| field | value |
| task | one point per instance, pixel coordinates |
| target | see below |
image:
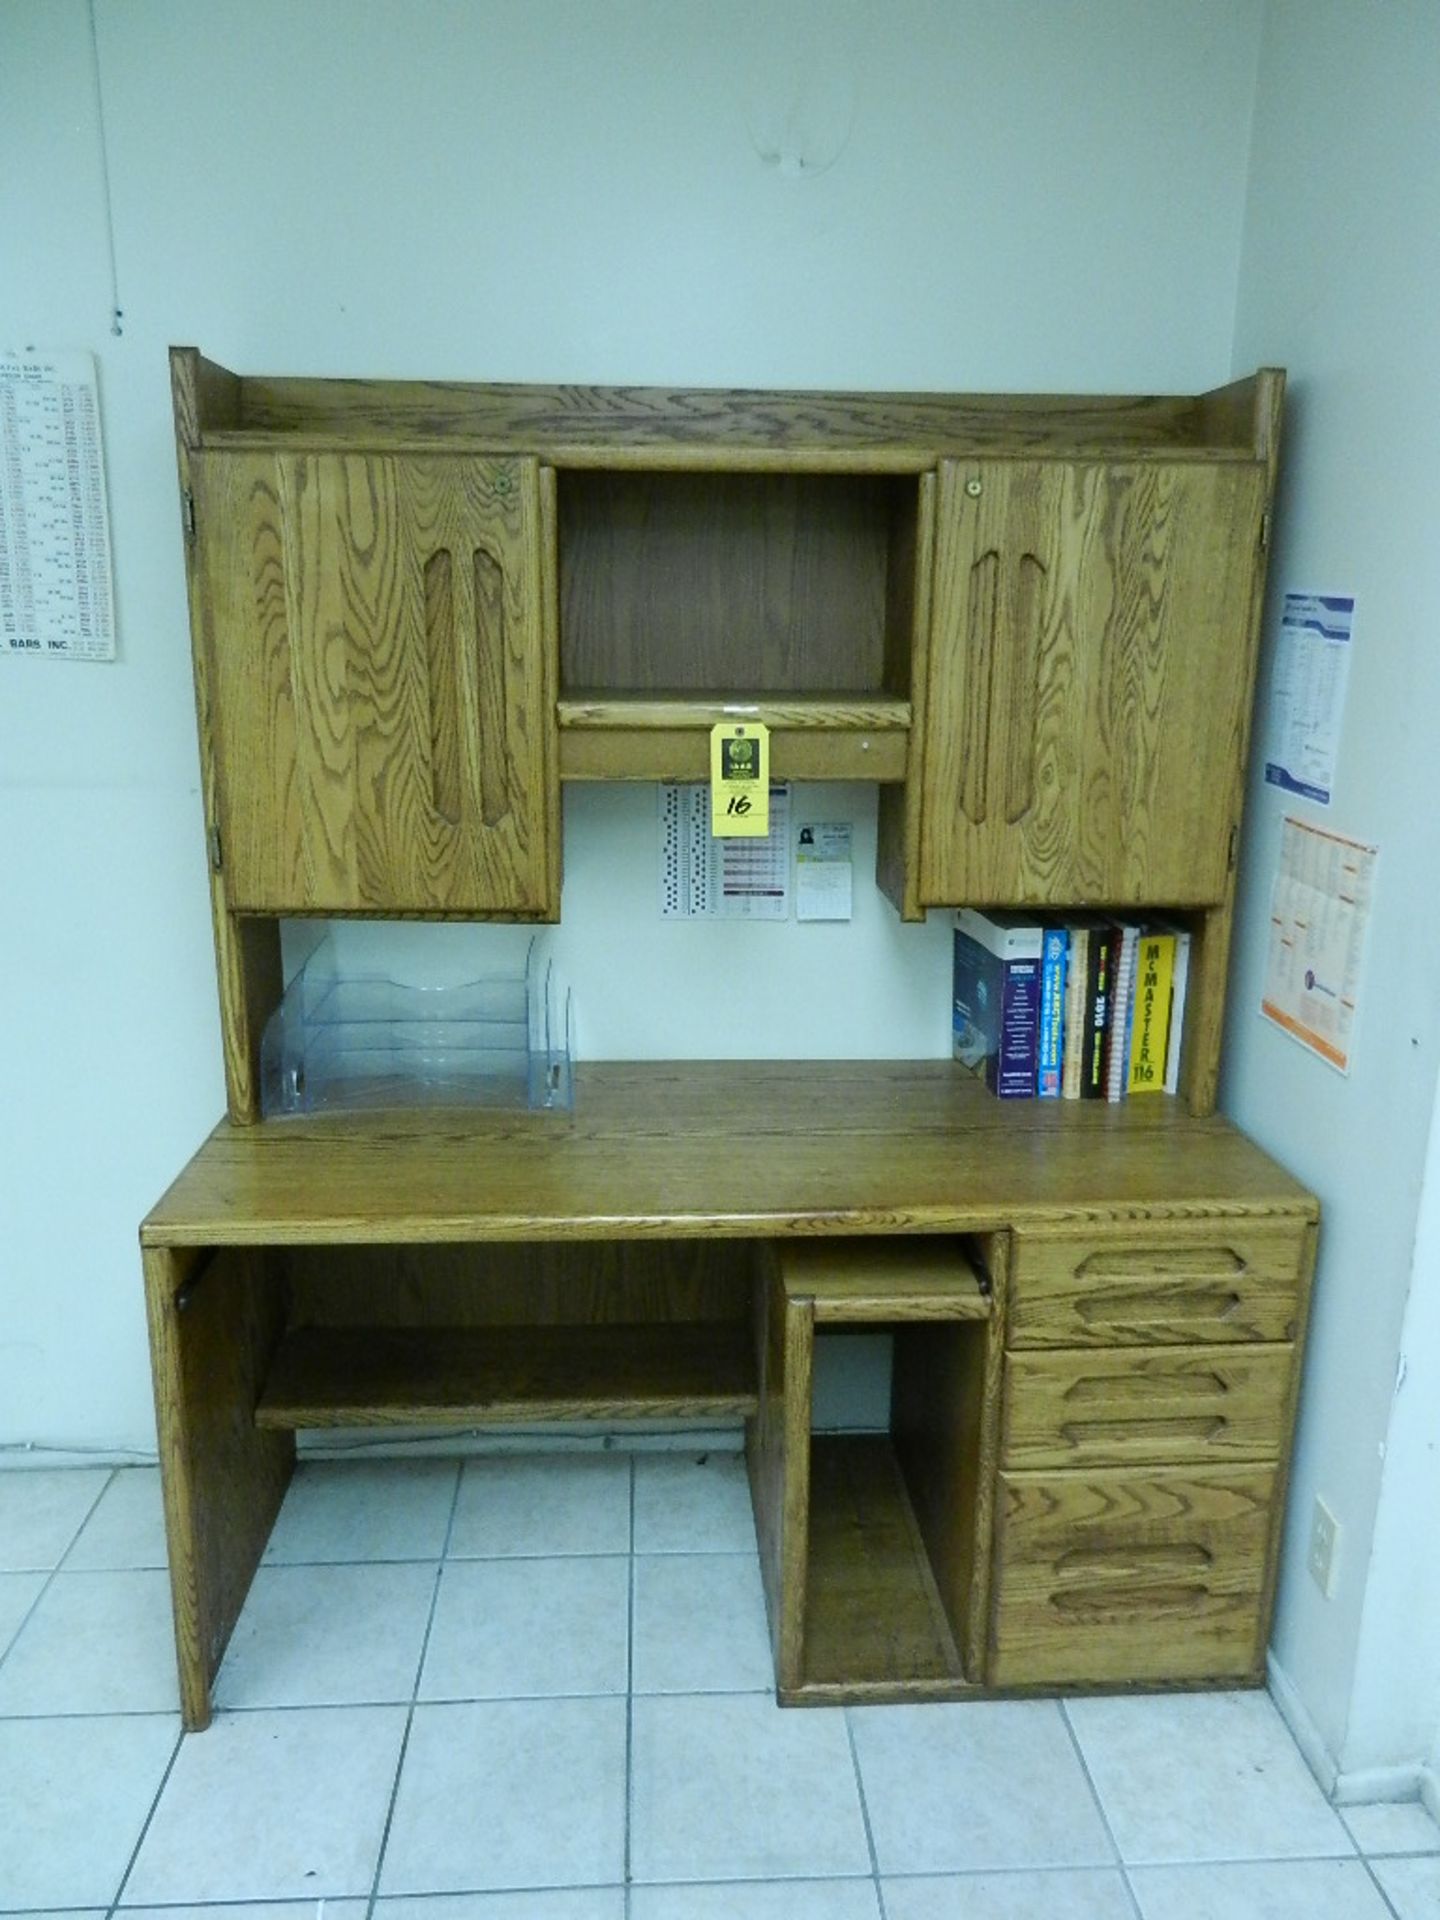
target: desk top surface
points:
(680, 1149)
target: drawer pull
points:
(1197, 1304)
(1174, 1562)
(1194, 1263)
(1144, 1386)
(1202, 1427)
(493, 703)
(442, 688)
(1122, 1604)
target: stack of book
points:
(1074, 1008)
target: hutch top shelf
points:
(717, 429)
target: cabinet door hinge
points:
(216, 859)
(1234, 848)
(187, 513)
(1264, 532)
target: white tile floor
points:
(538, 1689)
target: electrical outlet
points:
(1324, 1556)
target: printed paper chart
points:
(55, 593)
(1318, 914)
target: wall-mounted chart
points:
(55, 586)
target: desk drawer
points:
(1129, 1576)
(1166, 1285)
(1159, 1405)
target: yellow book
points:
(1150, 1022)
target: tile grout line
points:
(1267, 1860)
(1387, 1902)
(114, 1905)
(437, 1700)
(1031, 1870)
(414, 1696)
(465, 1559)
(49, 1579)
(1131, 1895)
(630, 1698)
(864, 1813)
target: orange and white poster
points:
(1319, 911)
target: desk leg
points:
(214, 1317)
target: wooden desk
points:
(1114, 1403)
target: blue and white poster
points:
(1307, 693)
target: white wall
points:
(1340, 280)
(1395, 1707)
(1029, 195)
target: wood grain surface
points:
(808, 713)
(860, 1282)
(1153, 1405)
(450, 1376)
(777, 1452)
(683, 753)
(1133, 1575)
(561, 1283)
(907, 671)
(726, 1149)
(716, 583)
(1185, 1283)
(214, 1325)
(372, 638)
(820, 737)
(248, 971)
(872, 1609)
(941, 1396)
(647, 425)
(1088, 678)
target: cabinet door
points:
(1089, 682)
(380, 703)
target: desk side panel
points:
(214, 1324)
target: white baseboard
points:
(26, 1457)
(1361, 1786)
(1306, 1735)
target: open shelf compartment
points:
(691, 598)
(458, 1335)
(468, 1376)
(873, 1545)
(873, 1611)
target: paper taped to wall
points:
(1319, 910)
(55, 585)
(1307, 693)
(705, 878)
(824, 888)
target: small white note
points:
(824, 888)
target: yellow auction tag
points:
(740, 779)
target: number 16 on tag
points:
(740, 780)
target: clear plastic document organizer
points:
(338, 1043)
